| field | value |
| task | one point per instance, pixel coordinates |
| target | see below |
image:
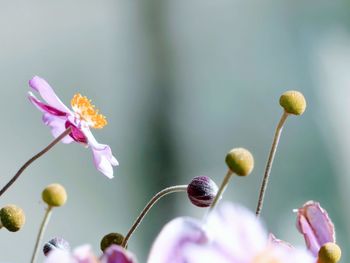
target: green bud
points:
(111, 238)
(12, 217)
(329, 253)
(54, 195)
(293, 102)
(240, 161)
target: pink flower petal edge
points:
(231, 234)
(84, 254)
(315, 225)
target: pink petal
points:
(57, 126)
(170, 245)
(102, 154)
(59, 256)
(273, 241)
(285, 255)
(44, 107)
(46, 92)
(83, 254)
(76, 133)
(237, 231)
(316, 226)
(117, 254)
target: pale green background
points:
(181, 82)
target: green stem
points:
(42, 152)
(41, 233)
(221, 190)
(159, 195)
(273, 149)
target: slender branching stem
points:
(41, 233)
(221, 189)
(273, 149)
(38, 155)
(159, 195)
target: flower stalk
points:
(41, 232)
(221, 190)
(272, 153)
(31, 160)
(151, 203)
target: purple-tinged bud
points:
(56, 243)
(202, 191)
(316, 226)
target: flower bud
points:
(201, 191)
(56, 243)
(315, 225)
(293, 102)
(54, 195)
(12, 217)
(110, 239)
(329, 253)
(240, 161)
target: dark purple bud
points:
(202, 191)
(56, 243)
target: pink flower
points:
(83, 254)
(316, 226)
(83, 116)
(231, 234)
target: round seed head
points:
(56, 243)
(202, 191)
(240, 161)
(54, 195)
(293, 102)
(329, 253)
(12, 217)
(110, 239)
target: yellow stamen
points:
(87, 112)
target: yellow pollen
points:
(87, 112)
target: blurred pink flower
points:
(83, 254)
(231, 234)
(83, 116)
(316, 226)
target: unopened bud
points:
(54, 195)
(293, 102)
(329, 253)
(201, 191)
(56, 243)
(240, 161)
(12, 217)
(110, 239)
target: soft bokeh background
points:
(181, 82)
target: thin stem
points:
(273, 149)
(41, 233)
(42, 152)
(159, 195)
(221, 189)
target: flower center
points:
(87, 112)
(266, 256)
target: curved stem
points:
(159, 195)
(273, 149)
(221, 190)
(38, 155)
(41, 233)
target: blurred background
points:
(181, 83)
